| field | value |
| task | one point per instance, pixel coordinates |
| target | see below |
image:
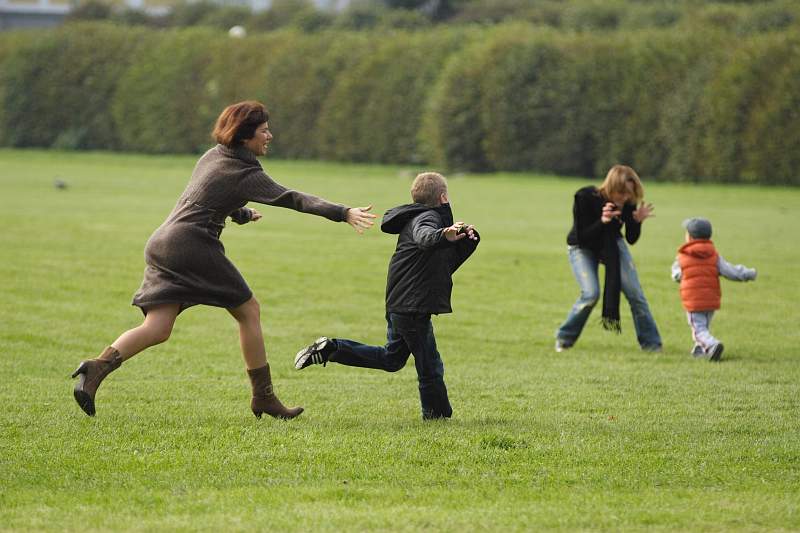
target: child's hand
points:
(255, 216)
(644, 211)
(459, 231)
(469, 231)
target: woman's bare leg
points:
(248, 315)
(251, 338)
(155, 329)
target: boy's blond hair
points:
(428, 188)
(617, 181)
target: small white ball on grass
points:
(237, 32)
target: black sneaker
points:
(562, 345)
(716, 352)
(314, 354)
(698, 351)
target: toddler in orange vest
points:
(698, 268)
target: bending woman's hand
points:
(644, 211)
(610, 212)
(360, 218)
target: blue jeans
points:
(406, 334)
(584, 267)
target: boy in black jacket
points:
(430, 248)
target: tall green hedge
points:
(649, 67)
(58, 87)
(11, 44)
(298, 81)
(452, 131)
(675, 103)
(566, 105)
(682, 127)
(773, 138)
(750, 113)
(164, 102)
(375, 107)
(521, 98)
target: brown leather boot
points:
(264, 399)
(90, 374)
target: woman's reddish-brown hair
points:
(238, 122)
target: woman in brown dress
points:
(186, 262)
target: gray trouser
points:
(700, 322)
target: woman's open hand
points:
(360, 218)
(644, 211)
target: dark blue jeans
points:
(406, 334)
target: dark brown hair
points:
(238, 122)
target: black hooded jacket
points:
(421, 269)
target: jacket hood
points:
(396, 218)
(699, 248)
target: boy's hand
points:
(255, 216)
(360, 218)
(459, 231)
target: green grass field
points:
(602, 437)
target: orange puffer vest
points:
(699, 276)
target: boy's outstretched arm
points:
(426, 232)
(735, 272)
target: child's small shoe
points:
(698, 351)
(716, 352)
(317, 353)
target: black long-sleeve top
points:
(587, 228)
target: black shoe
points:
(716, 352)
(314, 354)
(432, 416)
(698, 351)
(562, 345)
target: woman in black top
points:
(599, 213)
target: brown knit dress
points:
(186, 261)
